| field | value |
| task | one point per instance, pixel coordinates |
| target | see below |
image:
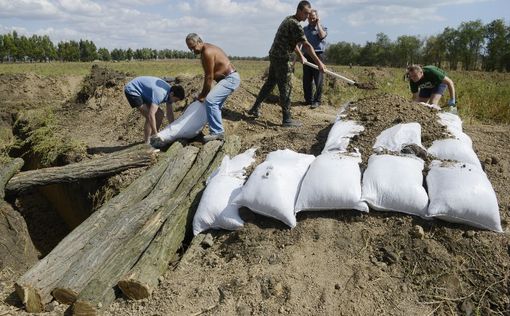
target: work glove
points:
(451, 102)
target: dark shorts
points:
(426, 93)
(135, 101)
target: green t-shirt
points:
(432, 77)
(289, 34)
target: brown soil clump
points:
(381, 111)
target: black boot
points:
(254, 111)
(288, 122)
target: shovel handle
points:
(329, 72)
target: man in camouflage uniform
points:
(289, 36)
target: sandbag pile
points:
(459, 189)
(333, 181)
(288, 182)
(216, 209)
(393, 182)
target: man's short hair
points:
(303, 4)
(178, 92)
(414, 68)
(194, 38)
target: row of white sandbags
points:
(459, 148)
(333, 181)
(458, 192)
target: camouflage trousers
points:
(280, 74)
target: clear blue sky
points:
(240, 27)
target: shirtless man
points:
(216, 67)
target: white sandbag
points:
(394, 183)
(461, 193)
(273, 186)
(454, 149)
(461, 136)
(453, 125)
(188, 125)
(332, 182)
(450, 120)
(216, 210)
(340, 135)
(397, 137)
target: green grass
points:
(481, 96)
(41, 131)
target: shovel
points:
(349, 81)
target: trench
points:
(51, 212)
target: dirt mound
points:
(99, 77)
(381, 111)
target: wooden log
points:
(7, 172)
(100, 293)
(16, 248)
(99, 249)
(138, 156)
(34, 287)
(142, 279)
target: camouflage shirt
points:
(289, 34)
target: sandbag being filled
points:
(332, 182)
(273, 186)
(216, 209)
(462, 193)
(188, 125)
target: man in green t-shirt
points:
(429, 83)
(289, 36)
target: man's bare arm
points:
(299, 54)
(208, 65)
(170, 112)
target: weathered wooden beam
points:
(99, 249)
(143, 278)
(7, 172)
(35, 286)
(100, 293)
(16, 248)
(138, 156)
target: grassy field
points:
(481, 96)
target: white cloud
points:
(392, 15)
(9, 29)
(225, 7)
(240, 27)
(83, 7)
(183, 6)
(28, 9)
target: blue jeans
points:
(427, 92)
(216, 98)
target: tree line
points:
(37, 48)
(470, 46)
